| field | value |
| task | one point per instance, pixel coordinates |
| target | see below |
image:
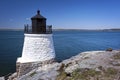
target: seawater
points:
(67, 44)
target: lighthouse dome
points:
(38, 16)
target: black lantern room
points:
(38, 25)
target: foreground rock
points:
(93, 65)
(2, 78)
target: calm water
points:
(67, 44)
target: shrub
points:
(109, 49)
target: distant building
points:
(38, 48)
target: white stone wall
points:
(37, 47)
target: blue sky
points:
(73, 14)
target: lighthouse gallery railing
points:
(28, 29)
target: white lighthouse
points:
(38, 44)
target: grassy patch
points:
(61, 76)
(78, 74)
(89, 74)
(32, 74)
(111, 71)
(110, 74)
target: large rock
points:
(92, 63)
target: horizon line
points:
(63, 29)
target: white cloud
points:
(27, 18)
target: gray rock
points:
(98, 60)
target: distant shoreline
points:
(67, 29)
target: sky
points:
(62, 14)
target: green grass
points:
(110, 71)
(78, 74)
(87, 74)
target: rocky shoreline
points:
(90, 65)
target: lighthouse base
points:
(23, 68)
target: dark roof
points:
(38, 16)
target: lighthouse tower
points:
(38, 46)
